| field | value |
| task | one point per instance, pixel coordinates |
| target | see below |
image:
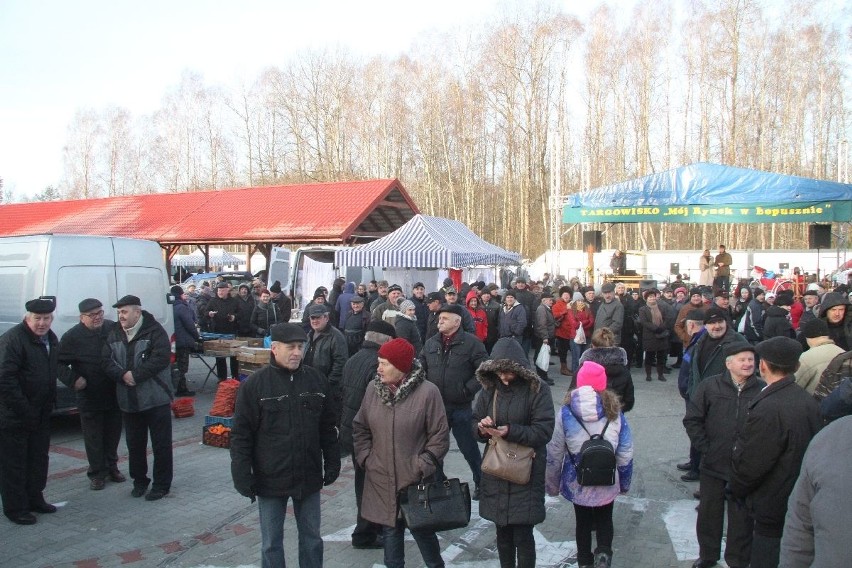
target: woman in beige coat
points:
(401, 417)
(705, 266)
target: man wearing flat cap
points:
(326, 350)
(610, 312)
(28, 367)
(768, 452)
(513, 318)
(81, 351)
(138, 358)
(706, 359)
(450, 359)
(284, 446)
(715, 415)
(222, 317)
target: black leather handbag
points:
(439, 504)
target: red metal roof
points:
(335, 212)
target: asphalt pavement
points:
(203, 522)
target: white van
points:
(302, 271)
(73, 267)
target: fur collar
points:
(409, 384)
(606, 355)
(486, 374)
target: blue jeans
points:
(394, 542)
(273, 511)
(460, 421)
(577, 350)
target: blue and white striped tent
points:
(427, 242)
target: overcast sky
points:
(57, 56)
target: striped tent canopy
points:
(427, 242)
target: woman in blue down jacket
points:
(524, 415)
(592, 404)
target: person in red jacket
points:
(480, 318)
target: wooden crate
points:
(215, 440)
(252, 341)
(223, 347)
(258, 355)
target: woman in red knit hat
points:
(401, 410)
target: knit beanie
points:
(593, 375)
(400, 354)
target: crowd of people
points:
(391, 370)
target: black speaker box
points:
(674, 268)
(647, 285)
(819, 236)
(592, 239)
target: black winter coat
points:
(327, 353)
(82, 350)
(715, 362)
(358, 372)
(754, 321)
(526, 406)
(224, 307)
(618, 379)
(27, 378)
(407, 329)
(354, 330)
(768, 454)
(244, 310)
(186, 335)
(776, 323)
(284, 437)
(263, 317)
(656, 338)
(715, 416)
(453, 371)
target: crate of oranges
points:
(217, 435)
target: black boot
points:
(182, 390)
(661, 369)
(648, 373)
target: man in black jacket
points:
(81, 349)
(284, 445)
(450, 359)
(768, 454)
(138, 358)
(28, 364)
(222, 317)
(715, 415)
(358, 372)
(421, 310)
(326, 350)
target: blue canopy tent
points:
(428, 242)
(712, 193)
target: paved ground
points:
(204, 522)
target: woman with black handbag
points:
(399, 428)
(515, 406)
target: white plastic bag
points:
(543, 359)
(580, 337)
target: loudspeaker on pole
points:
(819, 236)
